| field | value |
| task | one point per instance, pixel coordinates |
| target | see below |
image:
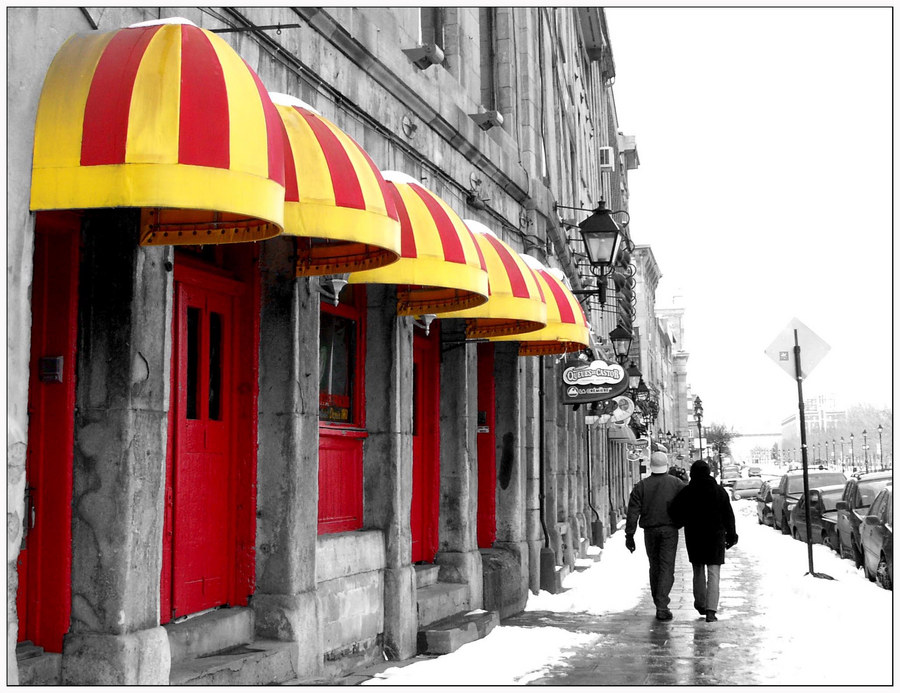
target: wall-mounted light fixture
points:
(331, 285)
(634, 377)
(424, 322)
(602, 238)
(621, 341)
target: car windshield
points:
(830, 499)
(795, 484)
(869, 489)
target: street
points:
(777, 626)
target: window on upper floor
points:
(431, 25)
(488, 50)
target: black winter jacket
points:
(649, 502)
(704, 510)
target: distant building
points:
(756, 448)
(681, 416)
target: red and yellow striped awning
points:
(336, 199)
(166, 117)
(441, 267)
(567, 326)
(516, 303)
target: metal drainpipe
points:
(596, 525)
(590, 485)
(541, 456)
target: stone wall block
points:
(400, 613)
(139, 658)
(292, 618)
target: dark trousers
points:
(661, 544)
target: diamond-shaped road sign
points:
(812, 349)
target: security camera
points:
(425, 55)
(487, 120)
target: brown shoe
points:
(710, 616)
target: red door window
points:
(341, 412)
(487, 449)
(209, 492)
(424, 514)
(43, 600)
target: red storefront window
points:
(341, 411)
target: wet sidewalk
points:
(635, 649)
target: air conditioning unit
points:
(425, 55)
(487, 119)
(607, 158)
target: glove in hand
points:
(731, 541)
(629, 543)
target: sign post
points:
(816, 348)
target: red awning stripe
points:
(276, 136)
(566, 314)
(203, 128)
(408, 247)
(109, 99)
(291, 185)
(344, 180)
(453, 250)
(516, 279)
(389, 200)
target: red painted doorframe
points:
(425, 511)
(210, 506)
(43, 600)
(487, 448)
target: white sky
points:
(764, 191)
(801, 610)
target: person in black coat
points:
(704, 510)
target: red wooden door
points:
(487, 449)
(206, 476)
(426, 446)
(43, 600)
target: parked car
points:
(745, 488)
(822, 515)
(764, 503)
(730, 474)
(754, 471)
(787, 492)
(877, 535)
(853, 507)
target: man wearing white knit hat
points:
(648, 507)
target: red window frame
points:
(340, 507)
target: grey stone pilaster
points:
(457, 541)
(512, 470)
(287, 463)
(387, 462)
(122, 397)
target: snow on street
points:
(847, 622)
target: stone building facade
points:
(222, 466)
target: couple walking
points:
(661, 504)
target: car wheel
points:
(796, 534)
(785, 529)
(736, 496)
(882, 577)
(759, 519)
(842, 552)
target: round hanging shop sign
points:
(593, 382)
